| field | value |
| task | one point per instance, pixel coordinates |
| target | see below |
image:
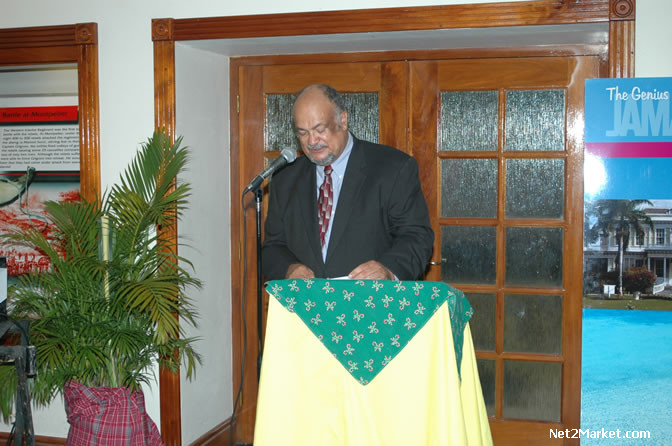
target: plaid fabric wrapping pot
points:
(108, 416)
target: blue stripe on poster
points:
(627, 178)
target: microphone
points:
(287, 156)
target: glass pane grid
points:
(533, 323)
(535, 120)
(534, 257)
(483, 322)
(486, 373)
(535, 188)
(469, 120)
(469, 188)
(279, 132)
(469, 253)
(363, 115)
(532, 390)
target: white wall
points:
(126, 119)
(653, 34)
(202, 83)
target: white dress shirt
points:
(337, 175)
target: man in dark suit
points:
(375, 223)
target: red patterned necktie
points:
(325, 203)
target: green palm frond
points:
(105, 321)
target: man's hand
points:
(371, 270)
(299, 271)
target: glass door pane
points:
(503, 163)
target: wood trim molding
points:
(86, 33)
(89, 121)
(622, 49)
(162, 29)
(622, 38)
(164, 118)
(171, 414)
(164, 86)
(484, 15)
(622, 10)
(39, 36)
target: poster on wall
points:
(627, 182)
(39, 161)
(625, 379)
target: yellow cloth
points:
(306, 397)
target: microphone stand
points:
(288, 155)
(258, 196)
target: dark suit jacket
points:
(381, 215)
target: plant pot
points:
(108, 416)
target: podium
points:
(327, 380)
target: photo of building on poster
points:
(628, 186)
(39, 162)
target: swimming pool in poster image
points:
(627, 376)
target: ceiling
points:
(499, 37)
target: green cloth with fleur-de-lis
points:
(366, 323)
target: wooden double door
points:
(499, 143)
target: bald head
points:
(320, 123)
(328, 91)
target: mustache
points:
(317, 146)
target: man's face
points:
(322, 134)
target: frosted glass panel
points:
(532, 323)
(532, 390)
(468, 120)
(279, 130)
(469, 253)
(482, 323)
(363, 115)
(535, 120)
(534, 256)
(486, 372)
(469, 188)
(362, 118)
(535, 188)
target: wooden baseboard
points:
(40, 440)
(217, 436)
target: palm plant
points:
(620, 217)
(116, 293)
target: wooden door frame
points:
(619, 14)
